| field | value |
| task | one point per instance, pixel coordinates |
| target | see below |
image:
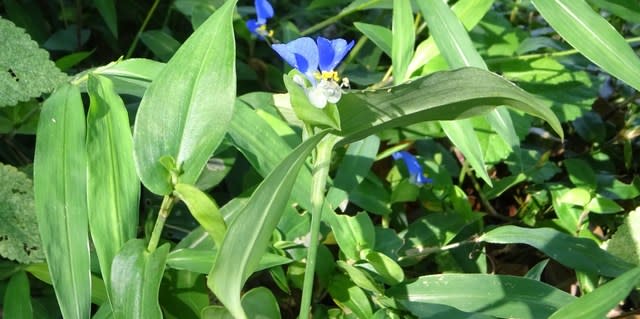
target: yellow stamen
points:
(332, 75)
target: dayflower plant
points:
(416, 175)
(317, 60)
(258, 26)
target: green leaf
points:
(455, 45)
(304, 110)
(603, 205)
(450, 35)
(349, 297)
(581, 173)
(470, 12)
(132, 76)
(135, 281)
(160, 43)
(593, 36)
(353, 169)
(26, 71)
(576, 196)
(20, 229)
(248, 234)
(628, 10)
(599, 302)
(360, 277)
(354, 234)
(381, 36)
(573, 252)
(113, 188)
(625, 242)
(185, 112)
(390, 272)
(17, 297)
(258, 302)
(402, 46)
(447, 95)
(60, 181)
(204, 210)
(496, 295)
(536, 271)
(463, 136)
(201, 260)
(261, 303)
(107, 9)
(98, 289)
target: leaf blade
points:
(593, 36)
(113, 188)
(61, 205)
(242, 253)
(195, 115)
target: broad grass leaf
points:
(598, 303)
(248, 234)
(447, 95)
(403, 39)
(113, 188)
(593, 36)
(135, 281)
(184, 114)
(573, 252)
(495, 295)
(60, 181)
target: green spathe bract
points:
(186, 110)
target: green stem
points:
(319, 181)
(142, 27)
(165, 209)
(527, 57)
(336, 18)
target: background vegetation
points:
(526, 216)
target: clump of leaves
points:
(19, 239)
(25, 70)
(625, 243)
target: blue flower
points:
(416, 175)
(258, 26)
(317, 60)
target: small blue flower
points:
(258, 26)
(416, 175)
(317, 60)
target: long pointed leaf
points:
(599, 302)
(248, 234)
(204, 210)
(113, 188)
(497, 295)
(135, 281)
(448, 95)
(185, 112)
(593, 36)
(458, 50)
(578, 253)
(403, 38)
(61, 204)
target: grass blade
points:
(60, 182)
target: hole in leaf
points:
(13, 75)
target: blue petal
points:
(264, 10)
(415, 170)
(301, 54)
(252, 25)
(332, 52)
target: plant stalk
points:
(165, 209)
(142, 27)
(320, 173)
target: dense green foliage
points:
(214, 159)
